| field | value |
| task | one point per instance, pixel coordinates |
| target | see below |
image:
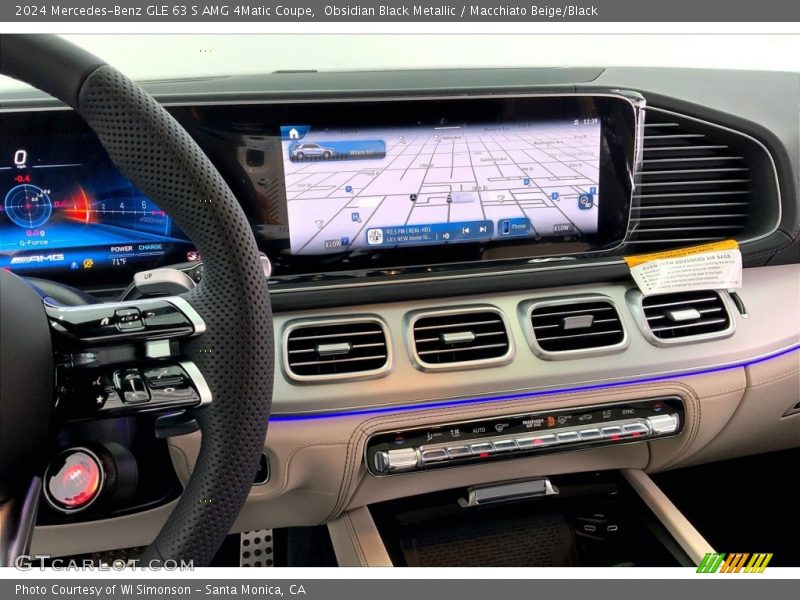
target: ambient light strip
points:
(278, 418)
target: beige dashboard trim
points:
(356, 541)
(679, 526)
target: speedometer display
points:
(67, 208)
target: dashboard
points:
(478, 201)
(346, 185)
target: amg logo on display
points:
(37, 258)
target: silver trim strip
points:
(198, 381)
(183, 305)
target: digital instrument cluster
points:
(67, 209)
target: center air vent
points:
(460, 338)
(685, 317)
(336, 349)
(694, 186)
(575, 326)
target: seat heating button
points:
(429, 456)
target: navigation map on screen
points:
(376, 188)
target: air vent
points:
(575, 326)
(686, 316)
(694, 186)
(460, 338)
(336, 349)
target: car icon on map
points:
(307, 151)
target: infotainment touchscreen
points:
(373, 188)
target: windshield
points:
(143, 56)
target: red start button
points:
(74, 480)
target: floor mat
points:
(537, 540)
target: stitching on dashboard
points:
(183, 454)
(691, 438)
(783, 375)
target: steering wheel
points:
(217, 337)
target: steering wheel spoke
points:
(125, 358)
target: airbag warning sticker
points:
(707, 267)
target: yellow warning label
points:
(639, 259)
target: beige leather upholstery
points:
(318, 473)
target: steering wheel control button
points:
(509, 436)
(148, 318)
(74, 480)
(131, 386)
(128, 319)
(170, 377)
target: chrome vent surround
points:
(693, 187)
(683, 317)
(460, 338)
(574, 327)
(341, 348)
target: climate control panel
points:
(498, 438)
